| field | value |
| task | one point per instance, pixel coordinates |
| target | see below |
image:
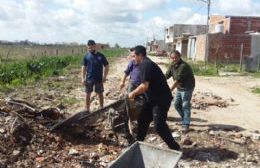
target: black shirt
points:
(158, 91)
(183, 74)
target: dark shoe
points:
(185, 128)
(130, 139)
(176, 147)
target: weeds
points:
(256, 90)
(202, 69)
(32, 70)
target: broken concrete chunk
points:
(211, 132)
(175, 135)
(152, 139)
(2, 130)
(39, 152)
(16, 152)
(73, 152)
(255, 136)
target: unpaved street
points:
(244, 109)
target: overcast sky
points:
(127, 22)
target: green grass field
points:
(26, 71)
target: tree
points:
(116, 46)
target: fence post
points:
(7, 55)
(57, 51)
(258, 64)
(241, 56)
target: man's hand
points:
(122, 85)
(83, 81)
(131, 95)
(104, 79)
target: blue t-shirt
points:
(134, 72)
(94, 64)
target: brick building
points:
(227, 37)
(176, 36)
(155, 45)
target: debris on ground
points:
(203, 100)
(27, 141)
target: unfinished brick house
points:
(155, 45)
(228, 37)
(176, 36)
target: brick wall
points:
(214, 19)
(235, 24)
(227, 46)
(200, 48)
(239, 25)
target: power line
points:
(193, 13)
(208, 2)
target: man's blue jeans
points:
(182, 105)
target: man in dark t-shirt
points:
(154, 84)
(92, 73)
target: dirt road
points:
(244, 110)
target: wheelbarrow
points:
(120, 113)
(144, 155)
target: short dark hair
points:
(176, 52)
(140, 50)
(91, 42)
(131, 49)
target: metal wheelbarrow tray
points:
(144, 155)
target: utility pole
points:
(208, 2)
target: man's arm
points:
(174, 85)
(142, 88)
(180, 76)
(122, 84)
(83, 74)
(168, 73)
(105, 73)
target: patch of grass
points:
(256, 90)
(202, 69)
(19, 72)
(253, 74)
(69, 101)
(114, 52)
(22, 72)
(230, 68)
(256, 74)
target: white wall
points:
(179, 46)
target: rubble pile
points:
(26, 140)
(203, 100)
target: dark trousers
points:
(158, 114)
